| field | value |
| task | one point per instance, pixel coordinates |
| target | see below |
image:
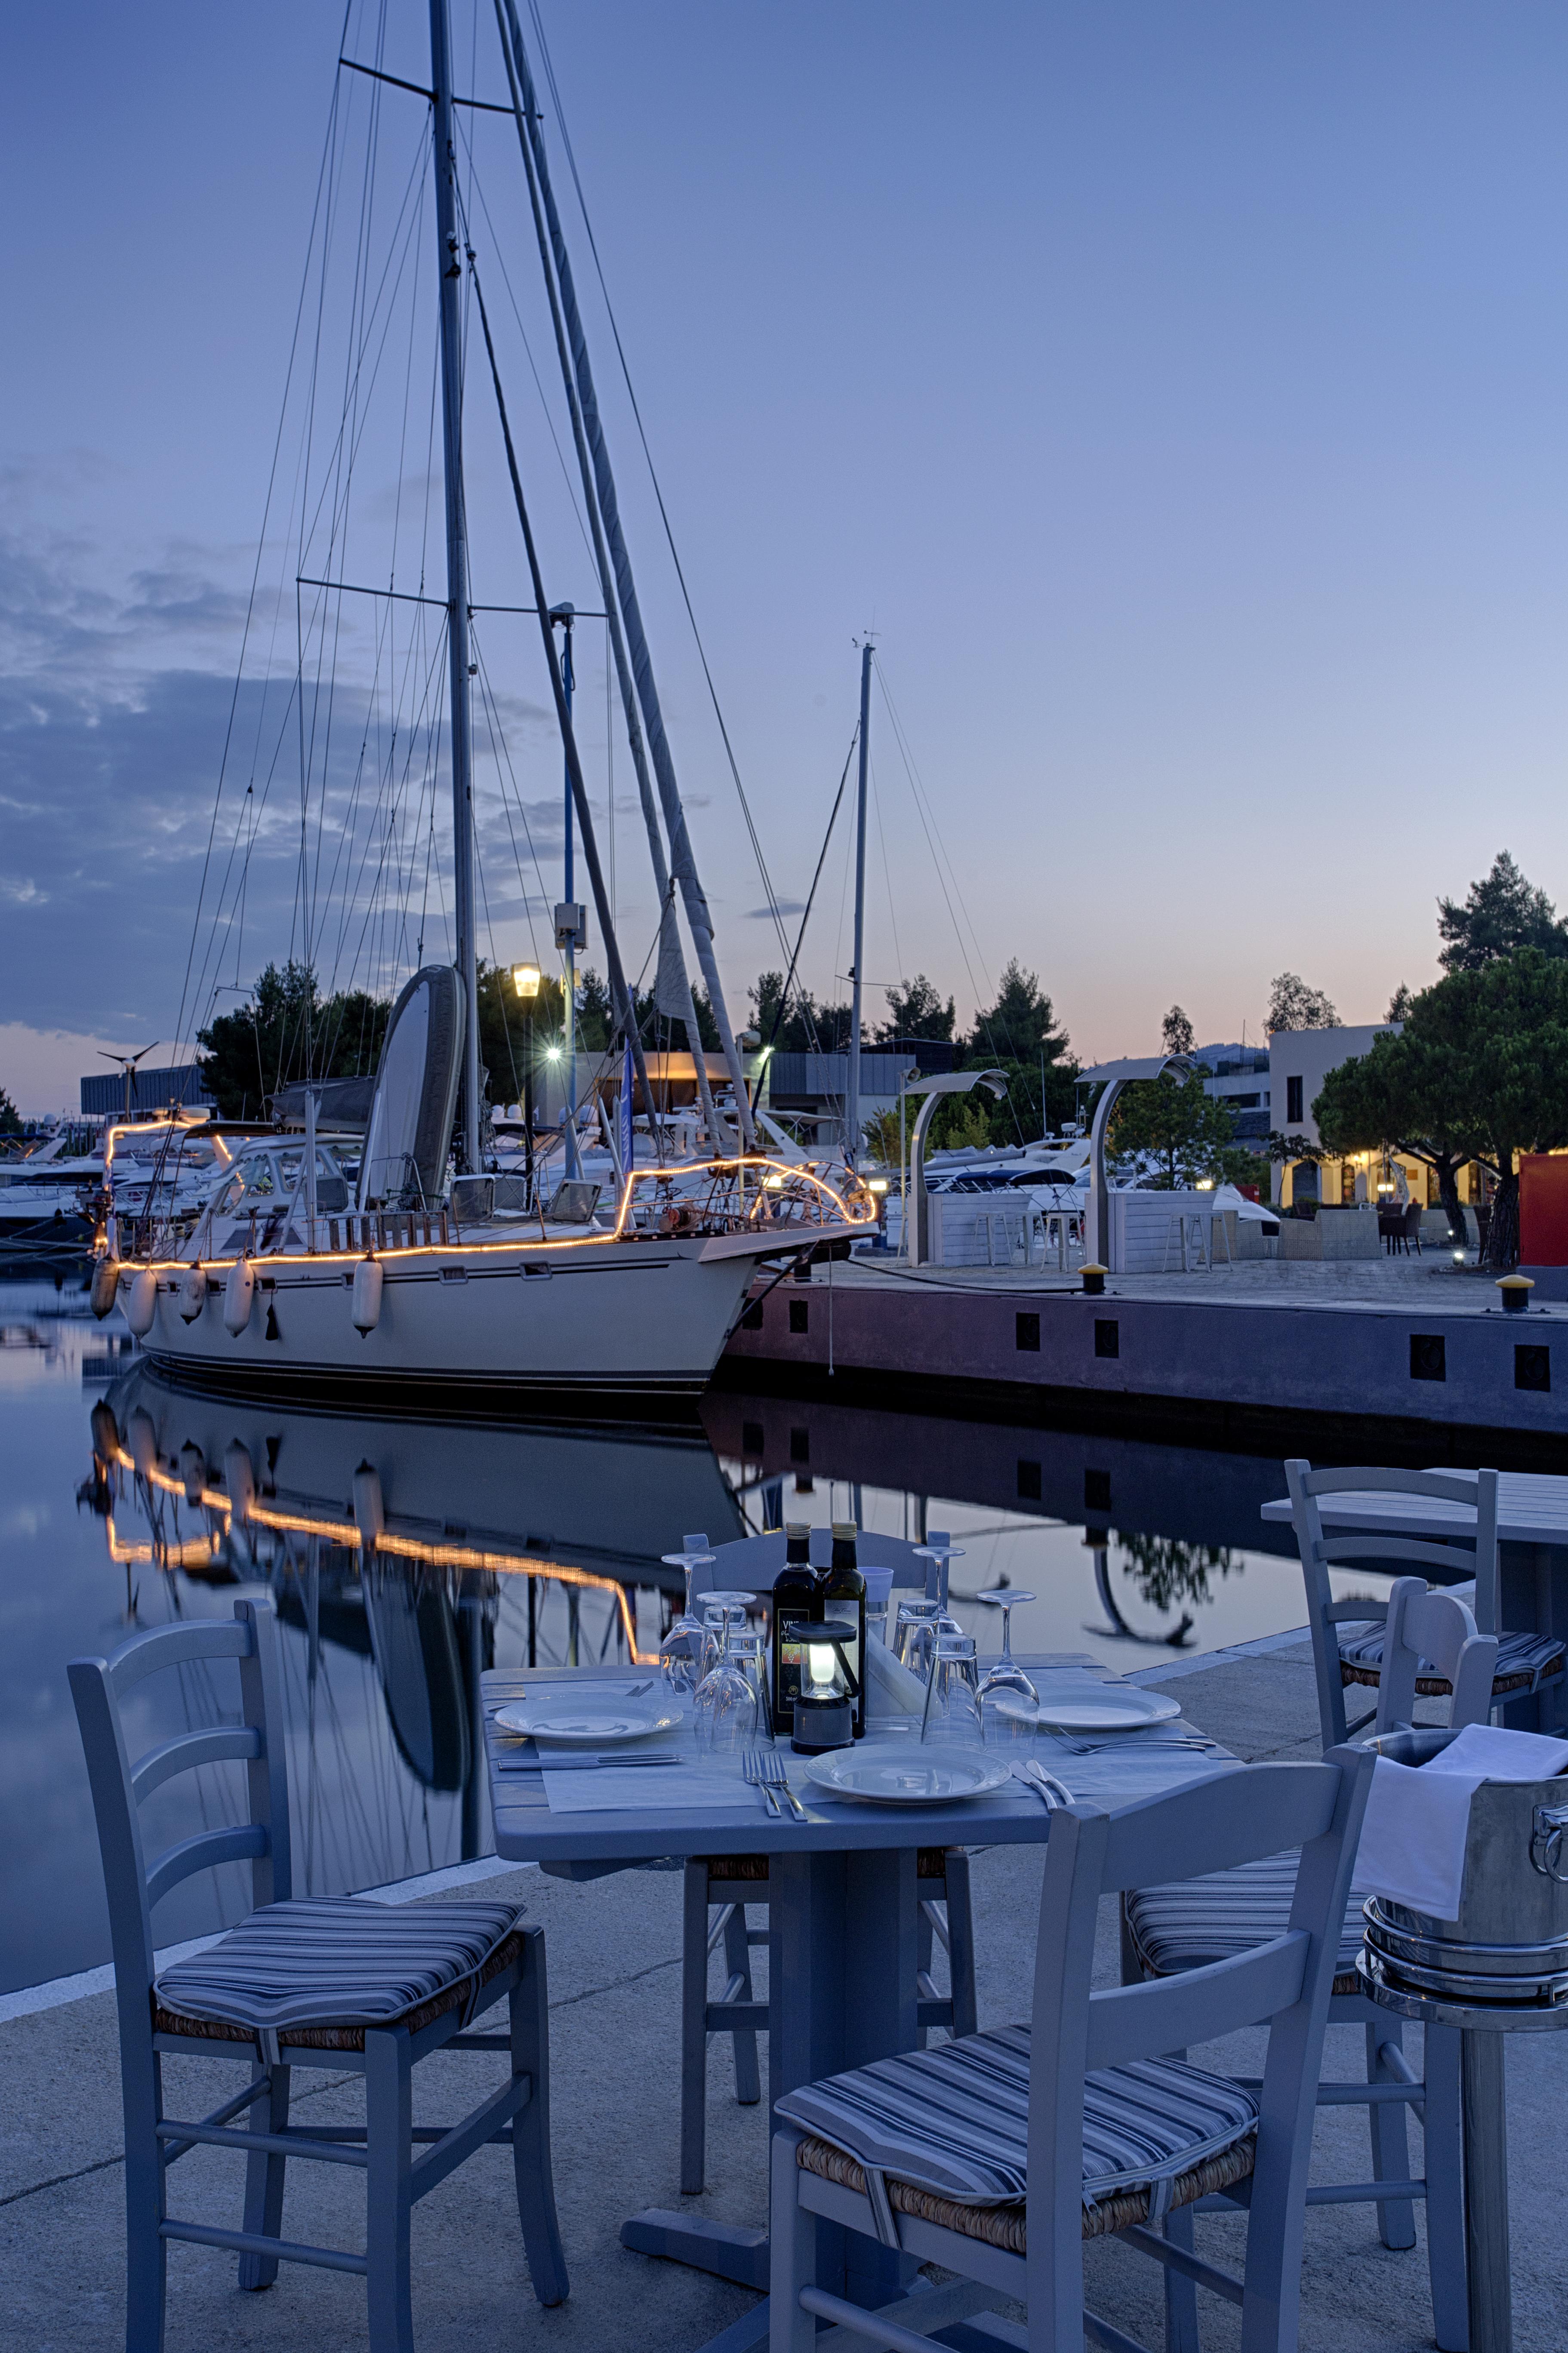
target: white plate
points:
(907, 1775)
(1118, 1707)
(594, 1722)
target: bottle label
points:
(791, 1660)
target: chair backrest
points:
(752, 1563)
(1437, 1630)
(1472, 1548)
(1210, 1825)
(134, 1885)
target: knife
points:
(583, 1764)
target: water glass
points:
(723, 1614)
(952, 1716)
(914, 1635)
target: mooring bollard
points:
(1094, 1280)
(1516, 1290)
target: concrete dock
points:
(614, 1976)
(1270, 1353)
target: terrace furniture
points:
(842, 1920)
(728, 1884)
(344, 1985)
(999, 2153)
(1200, 1922)
(1372, 1516)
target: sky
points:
(1177, 396)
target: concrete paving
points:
(613, 1975)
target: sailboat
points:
(419, 1282)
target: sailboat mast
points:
(852, 1091)
(449, 254)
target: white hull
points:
(639, 1317)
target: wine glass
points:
(942, 1555)
(952, 1717)
(731, 1709)
(914, 1635)
(679, 1651)
(722, 1615)
(1016, 1716)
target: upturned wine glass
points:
(680, 1651)
(1006, 1683)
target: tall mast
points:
(852, 1091)
(450, 262)
(683, 864)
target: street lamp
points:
(525, 979)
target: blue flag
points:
(624, 1110)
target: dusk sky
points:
(1179, 394)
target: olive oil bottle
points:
(796, 1598)
(842, 1591)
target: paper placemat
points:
(649, 1789)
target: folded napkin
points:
(892, 1689)
(1417, 1817)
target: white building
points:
(1299, 1060)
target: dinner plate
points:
(593, 1722)
(906, 1777)
(1116, 1707)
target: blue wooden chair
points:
(341, 1984)
(997, 2155)
(719, 1888)
(1199, 1922)
(1347, 1636)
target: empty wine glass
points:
(731, 1709)
(942, 1554)
(679, 1653)
(722, 1615)
(952, 1717)
(1006, 1695)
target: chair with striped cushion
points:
(342, 1983)
(1198, 1922)
(997, 2155)
(1347, 1636)
(720, 1888)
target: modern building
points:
(1239, 1078)
(815, 1084)
(103, 1092)
(1300, 1059)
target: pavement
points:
(1430, 1279)
(613, 1951)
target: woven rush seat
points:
(1521, 1660)
(320, 1971)
(930, 1862)
(950, 2127)
(1197, 1921)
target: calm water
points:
(501, 1545)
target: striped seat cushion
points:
(1197, 1921)
(1520, 1659)
(337, 1962)
(954, 2121)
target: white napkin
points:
(891, 1690)
(649, 1789)
(1417, 1817)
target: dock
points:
(1272, 1354)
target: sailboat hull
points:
(635, 1321)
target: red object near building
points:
(1543, 1208)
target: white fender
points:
(193, 1471)
(141, 1305)
(192, 1294)
(142, 1439)
(239, 1478)
(105, 1285)
(238, 1293)
(367, 1295)
(370, 1512)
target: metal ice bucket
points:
(1510, 1944)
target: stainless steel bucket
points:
(1509, 1944)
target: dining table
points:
(843, 1899)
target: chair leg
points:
(146, 2249)
(1445, 2171)
(264, 2181)
(389, 2117)
(530, 2017)
(1180, 2295)
(1390, 2138)
(791, 2262)
(694, 2029)
(960, 1945)
(738, 1963)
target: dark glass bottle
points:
(796, 1598)
(842, 1591)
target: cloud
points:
(779, 907)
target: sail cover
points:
(416, 1093)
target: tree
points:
(1483, 1060)
(1501, 914)
(1019, 1024)
(1400, 1003)
(1293, 1006)
(1176, 1032)
(1177, 1123)
(10, 1117)
(916, 1010)
(285, 1032)
(1390, 1097)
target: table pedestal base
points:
(730, 2251)
(1481, 2056)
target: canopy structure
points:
(1111, 1077)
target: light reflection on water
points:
(405, 1557)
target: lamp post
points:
(525, 980)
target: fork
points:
(773, 1777)
(753, 1766)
